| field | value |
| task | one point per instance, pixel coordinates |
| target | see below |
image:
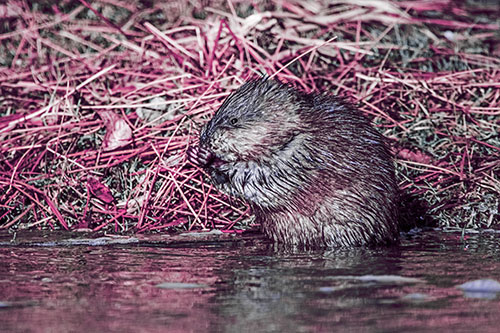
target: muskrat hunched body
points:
(312, 168)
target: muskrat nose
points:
(204, 136)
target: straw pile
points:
(100, 100)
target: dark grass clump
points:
(100, 100)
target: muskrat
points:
(312, 168)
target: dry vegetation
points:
(100, 100)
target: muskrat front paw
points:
(205, 157)
(192, 155)
(200, 156)
(218, 177)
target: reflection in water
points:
(248, 286)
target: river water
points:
(52, 283)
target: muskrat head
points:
(253, 122)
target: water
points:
(242, 284)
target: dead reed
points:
(99, 101)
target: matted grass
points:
(100, 100)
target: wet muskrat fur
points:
(312, 168)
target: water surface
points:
(242, 284)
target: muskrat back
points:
(312, 168)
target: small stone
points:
(180, 285)
(481, 285)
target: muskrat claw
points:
(199, 156)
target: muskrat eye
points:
(233, 121)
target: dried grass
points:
(100, 100)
